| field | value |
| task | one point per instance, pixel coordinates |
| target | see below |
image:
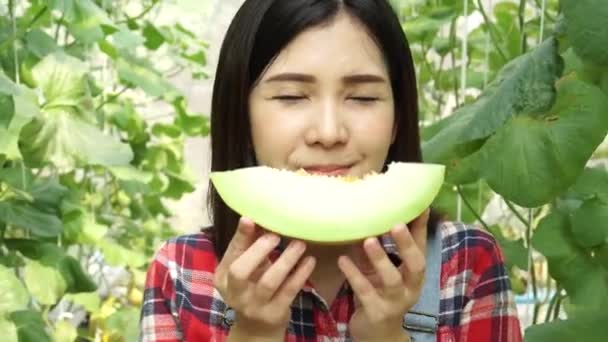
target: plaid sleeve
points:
(478, 300)
(158, 322)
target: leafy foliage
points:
(529, 115)
(83, 176)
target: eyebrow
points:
(305, 78)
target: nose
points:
(328, 127)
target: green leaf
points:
(13, 295)
(85, 19)
(7, 110)
(129, 173)
(7, 86)
(587, 28)
(604, 82)
(550, 149)
(91, 230)
(589, 223)
(585, 281)
(25, 109)
(179, 184)
(426, 26)
(64, 332)
(464, 170)
(154, 37)
(24, 215)
(199, 57)
(191, 125)
(525, 86)
(168, 130)
(125, 323)
(52, 256)
(593, 182)
(89, 300)
(8, 330)
(63, 80)
(40, 43)
(137, 73)
(48, 291)
(590, 327)
(30, 326)
(126, 40)
(516, 254)
(449, 76)
(124, 116)
(602, 256)
(108, 48)
(68, 142)
(118, 255)
(45, 192)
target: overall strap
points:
(422, 320)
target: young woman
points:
(327, 86)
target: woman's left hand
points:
(384, 292)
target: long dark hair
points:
(257, 34)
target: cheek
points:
(273, 137)
(376, 127)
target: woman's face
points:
(325, 104)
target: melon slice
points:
(327, 209)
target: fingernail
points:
(271, 238)
(399, 227)
(297, 245)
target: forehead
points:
(339, 47)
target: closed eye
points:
(364, 98)
(288, 98)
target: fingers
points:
(276, 274)
(414, 260)
(419, 228)
(248, 262)
(389, 275)
(243, 238)
(363, 288)
(292, 286)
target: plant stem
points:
(531, 267)
(442, 93)
(112, 97)
(557, 307)
(553, 302)
(56, 35)
(517, 214)
(464, 59)
(522, 23)
(11, 10)
(528, 225)
(468, 204)
(2, 230)
(491, 30)
(453, 57)
(546, 11)
(142, 14)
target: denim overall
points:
(422, 320)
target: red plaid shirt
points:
(181, 303)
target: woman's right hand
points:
(261, 292)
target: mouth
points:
(328, 170)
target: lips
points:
(328, 170)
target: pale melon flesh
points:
(326, 209)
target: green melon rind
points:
(285, 202)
